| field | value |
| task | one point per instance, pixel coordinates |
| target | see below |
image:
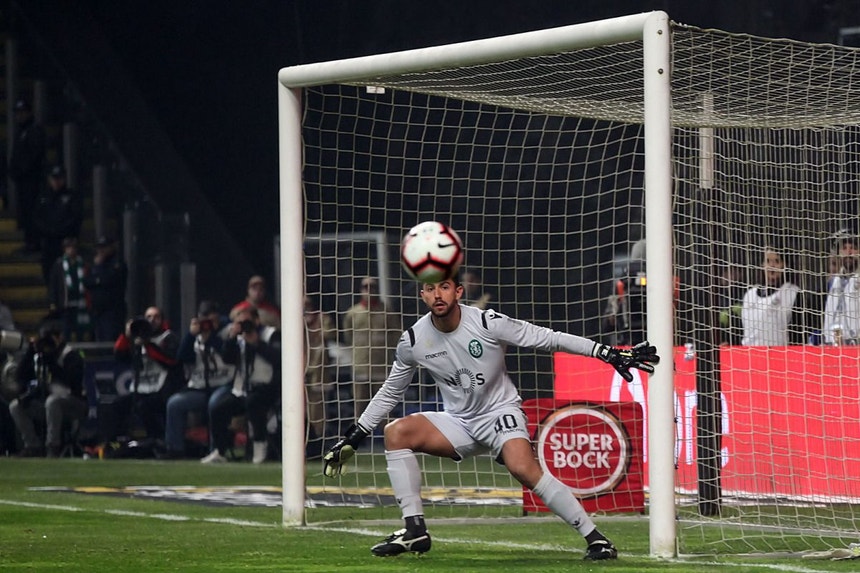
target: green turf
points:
(59, 531)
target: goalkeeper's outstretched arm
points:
(377, 410)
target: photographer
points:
(208, 376)
(51, 378)
(255, 351)
(150, 347)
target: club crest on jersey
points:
(475, 348)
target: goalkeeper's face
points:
(442, 297)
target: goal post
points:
(554, 154)
(654, 27)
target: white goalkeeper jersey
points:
(468, 364)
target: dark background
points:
(208, 69)
(200, 79)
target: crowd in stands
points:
(221, 374)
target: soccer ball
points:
(431, 252)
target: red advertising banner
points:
(790, 416)
(594, 448)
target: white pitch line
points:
(775, 567)
(374, 533)
(126, 513)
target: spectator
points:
(51, 377)
(772, 313)
(270, 315)
(26, 170)
(58, 214)
(106, 285)
(841, 323)
(67, 293)
(372, 331)
(319, 330)
(150, 347)
(208, 376)
(473, 292)
(255, 351)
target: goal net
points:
(538, 160)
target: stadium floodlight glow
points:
(543, 150)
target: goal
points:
(553, 153)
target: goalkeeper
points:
(463, 348)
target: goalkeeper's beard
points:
(442, 312)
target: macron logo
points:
(435, 355)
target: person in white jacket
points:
(772, 311)
(841, 323)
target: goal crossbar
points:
(486, 51)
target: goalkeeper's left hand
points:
(642, 356)
(343, 450)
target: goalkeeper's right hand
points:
(343, 450)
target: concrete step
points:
(8, 225)
(19, 270)
(32, 295)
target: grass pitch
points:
(42, 529)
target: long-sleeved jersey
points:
(468, 364)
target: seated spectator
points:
(150, 347)
(270, 315)
(209, 377)
(255, 351)
(51, 378)
(8, 381)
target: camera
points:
(206, 325)
(140, 328)
(247, 326)
(11, 341)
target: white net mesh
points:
(538, 164)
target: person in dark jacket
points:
(149, 346)
(106, 285)
(255, 351)
(58, 213)
(51, 378)
(26, 170)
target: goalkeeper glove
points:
(641, 356)
(343, 450)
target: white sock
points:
(562, 502)
(405, 476)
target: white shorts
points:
(486, 433)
